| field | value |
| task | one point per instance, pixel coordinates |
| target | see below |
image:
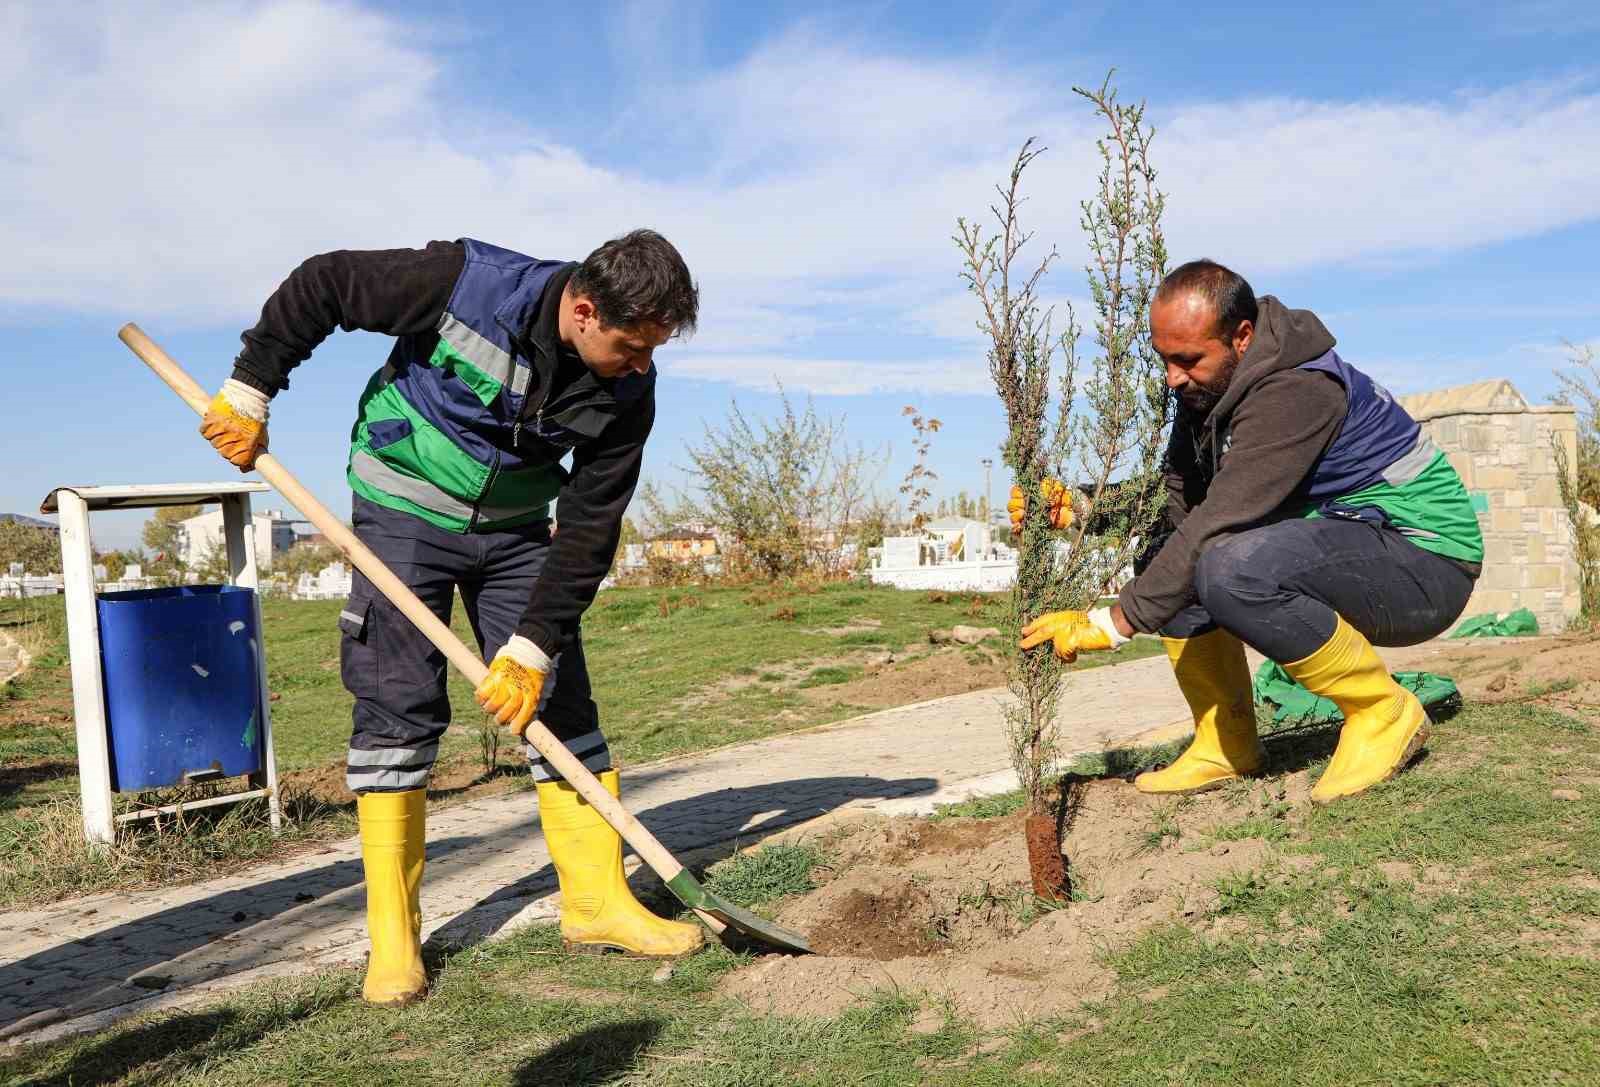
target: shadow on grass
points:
(162, 1049)
(1291, 746)
(699, 829)
(14, 779)
(593, 1056)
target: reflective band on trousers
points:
(389, 767)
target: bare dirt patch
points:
(944, 908)
(1560, 670)
(908, 679)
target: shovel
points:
(717, 913)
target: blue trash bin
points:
(183, 695)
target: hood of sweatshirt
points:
(1284, 338)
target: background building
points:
(198, 535)
(1502, 446)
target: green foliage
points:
(161, 530)
(784, 492)
(38, 549)
(982, 807)
(1581, 389)
(765, 875)
(304, 558)
(1585, 534)
(1108, 424)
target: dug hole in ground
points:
(943, 906)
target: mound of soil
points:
(945, 908)
(1555, 670)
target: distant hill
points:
(30, 522)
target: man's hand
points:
(236, 423)
(1055, 496)
(510, 692)
(1073, 632)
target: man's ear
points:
(1242, 337)
(583, 310)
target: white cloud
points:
(173, 164)
(833, 377)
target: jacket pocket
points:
(382, 432)
(353, 618)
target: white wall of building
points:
(199, 534)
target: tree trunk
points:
(1046, 865)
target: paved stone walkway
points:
(83, 963)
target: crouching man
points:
(1309, 518)
(502, 365)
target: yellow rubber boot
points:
(1215, 681)
(1384, 724)
(598, 911)
(393, 830)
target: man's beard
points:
(1200, 399)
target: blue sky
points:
(1427, 180)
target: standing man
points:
(1309, 517)
(502, 365)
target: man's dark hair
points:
(1230, 296)
(639, 277)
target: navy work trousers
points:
(398, 677)
(1278, 587)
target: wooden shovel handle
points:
(652, 852)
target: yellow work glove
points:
(510, 692)
(236, 423)
(1054, 493)
(1073, 632)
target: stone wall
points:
(1501, 445)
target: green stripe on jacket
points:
(1433, 510)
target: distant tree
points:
(160, 538)
(915, 487)
(38, 549)
(962, 505)
(1580, 387)
(784, 493)
(304, 558)
(117, 562)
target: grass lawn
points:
(1441, 929)
(674, 671)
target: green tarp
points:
(1293, 703)
(1490, 625)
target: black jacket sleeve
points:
(588, 528)
(1280, 430)
(392, 291)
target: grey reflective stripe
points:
(475, 349)
(386, 779)
(594, 763)
(1412, 464)
(353, 617)
(393, 756)
(578, 745)
(520, 379)
(370, 469)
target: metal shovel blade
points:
(691, 893)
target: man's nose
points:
(1176, 377)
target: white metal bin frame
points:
(74, 504)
